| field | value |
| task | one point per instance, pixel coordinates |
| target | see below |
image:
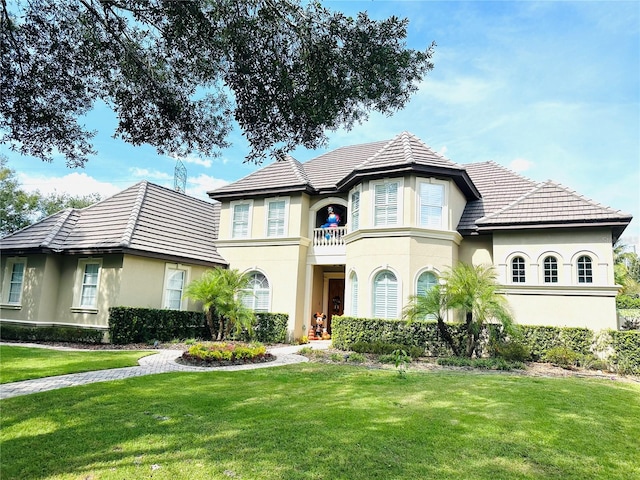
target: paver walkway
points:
(162, 362)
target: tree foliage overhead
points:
(178, 72)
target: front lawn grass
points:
(23, 363)
(316, 421)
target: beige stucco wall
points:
(477, 250)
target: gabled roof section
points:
(145, 219)
(279, 177)
(551, 203)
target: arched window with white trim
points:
(550, 266)
(256, 295)
(585, 269)
(426, 281)
(385, 295)
(518, 270)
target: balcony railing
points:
(329, 237)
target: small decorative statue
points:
(333, 220)
(320, 318)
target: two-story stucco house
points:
(357, 230)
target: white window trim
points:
(270, 288)
(267, 202)
(77, 288)
(6, 283)
(399, 298)
(232, 207)
(372, 190)
(444, 220)
(352, 210)
(167, 269)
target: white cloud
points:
(457, 91)
(74, 184)
(200, 185)
(205, 162)
(520, 165)
(443, 150)
(150, 174)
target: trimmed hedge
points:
(345, 331)
(141, 325)
(624, 302)
(626, 347)
(51, 334)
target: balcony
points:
(328, 245)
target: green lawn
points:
(22, 363)
(314, 421)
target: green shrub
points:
(51, 334)
(627, 302)
(356, 358)
(336, 357)
(511, 350)
(626, 351)
(561, 357)
(387, 358)
(483, 363)
(382, 348)
(141, 325)
(225, 352)
(305, 351)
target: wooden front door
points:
(336, 299)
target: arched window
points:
(256, 295)
(385, 295)
(354, 294)
(426, 281)
(585, 269)
(550, 269)
(517, 270)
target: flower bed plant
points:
(221, 354)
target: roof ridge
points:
(535, 189)
(298, 169)
(378, 153)
(579, 195)
(66, 213)
(408, 150)
(127, 235)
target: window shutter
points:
(431, 203)
(275, 222)
(426, 282)
(385, 295)
(354, 295)
(355, 211)
(386, 204)
(240, 221)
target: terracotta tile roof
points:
(145, 219)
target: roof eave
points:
(617, 223)
(459, 176)
(262, 192)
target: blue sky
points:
(549, 89)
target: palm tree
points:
(433, 303)
(473, 289)
(220, 290)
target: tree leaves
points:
(178, 73)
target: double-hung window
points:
(276, 217)
(431, 197)
(14, 281)
(241, 217)
(88, 284)
(386, 208)
(175, 282)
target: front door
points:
(336, 299)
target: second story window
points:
(385, 208)
(276, 218)
(518, 270)
(550, 269)
(431, 200)
(585, 270)
(355, 211)
(241, 218)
